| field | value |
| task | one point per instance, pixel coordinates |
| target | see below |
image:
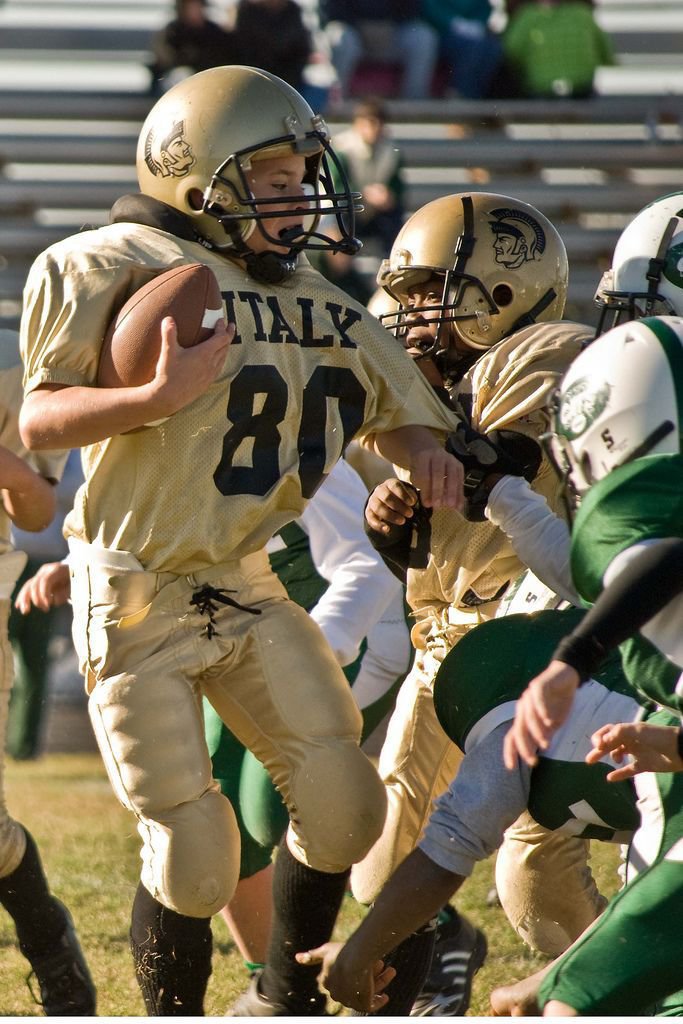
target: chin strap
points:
(532, 315)
(270, 267)
(265, 267)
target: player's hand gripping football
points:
(183, 374)
(357, 986)
(541, 710)
(644, 748)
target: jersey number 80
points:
(326, 382)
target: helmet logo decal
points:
(170, 156)
(673, 270)
(519, 238)
(581, 404)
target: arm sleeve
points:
(539, 537)
(642, 589)
(360, 586)
(484, 798)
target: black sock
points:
(411, 959)
(172, 955)
(38, 917)
(305, 907)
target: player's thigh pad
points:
(417, 763)
(289, 702)
(150, 733)
(12, 836)
(545, 885)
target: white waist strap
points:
(119, 562)
(81, 554)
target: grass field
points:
(90, 850)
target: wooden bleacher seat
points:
(66, 153)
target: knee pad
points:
(337, 806)
(12, 844)
(191, 855)
(546, 887)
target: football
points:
(190, 294)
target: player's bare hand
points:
(390, 504)
(49, 588)
(637, 747)
(183, 374)
(541, 710)
(357, 986)
(516, 1000)
(438, 477)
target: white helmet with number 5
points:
(646, 276)
(620, 400)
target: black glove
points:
(503, 452)
(405, 546)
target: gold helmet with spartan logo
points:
(504, 266)
(200, 140)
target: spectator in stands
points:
(271, 34)
(386, 30)
(471, 51)
(190, 42)
(374, 166)
(554, 48)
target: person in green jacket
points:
(554, 48)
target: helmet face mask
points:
(202, 137)
(646, 276)
(502, 262)
(620, 400)
(229, 186)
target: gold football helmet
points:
(503, 264)
(201, 137)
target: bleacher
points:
(73, 93)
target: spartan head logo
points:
(519, 238)
(581, 405)
(170, 156)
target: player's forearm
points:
(632, 599)
(71, 417)
(403, 445)
(436, 473)
(413, 895)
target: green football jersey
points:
(636, 505)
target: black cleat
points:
(66, 987)
(459, 953)
(252, 1003)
